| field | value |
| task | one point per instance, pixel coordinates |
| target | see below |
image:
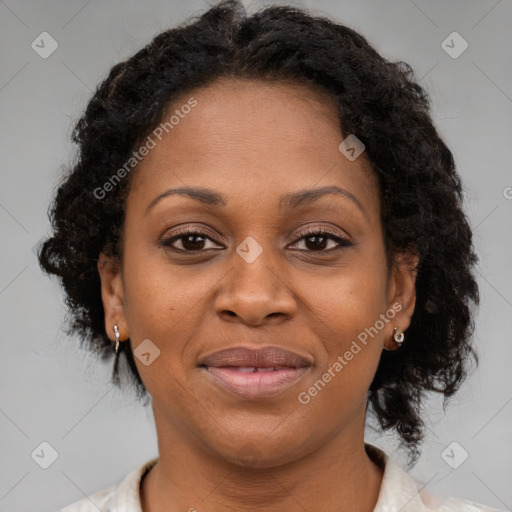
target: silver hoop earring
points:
(116, 332)
(399, 336)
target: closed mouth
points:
(250, 360)
(255, 373)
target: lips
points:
(255, 359)
(255, 374)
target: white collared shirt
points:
(398, 493)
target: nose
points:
(255, 294)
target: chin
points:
(262, 451)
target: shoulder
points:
(99, 501)
(399, 492)
(460, 505)
(124, 496)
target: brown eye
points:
(190, 240)
(317, 240)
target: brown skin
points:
(253, 142)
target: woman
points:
(265, 226)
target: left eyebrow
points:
(304, 197)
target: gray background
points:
(50, 391)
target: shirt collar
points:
(126, 497)
(398, 491)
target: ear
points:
(401, 291)
(112, 296)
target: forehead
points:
(252, 138)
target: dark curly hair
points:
(379, 101)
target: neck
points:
(188, 478)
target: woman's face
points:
(266, 268)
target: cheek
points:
(165, 305)
(155, 308)
(155, 296)
(346, 310)
(351, 298)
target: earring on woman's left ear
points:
(398, 335)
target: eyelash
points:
(309, 232)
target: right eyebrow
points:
(204, 195)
